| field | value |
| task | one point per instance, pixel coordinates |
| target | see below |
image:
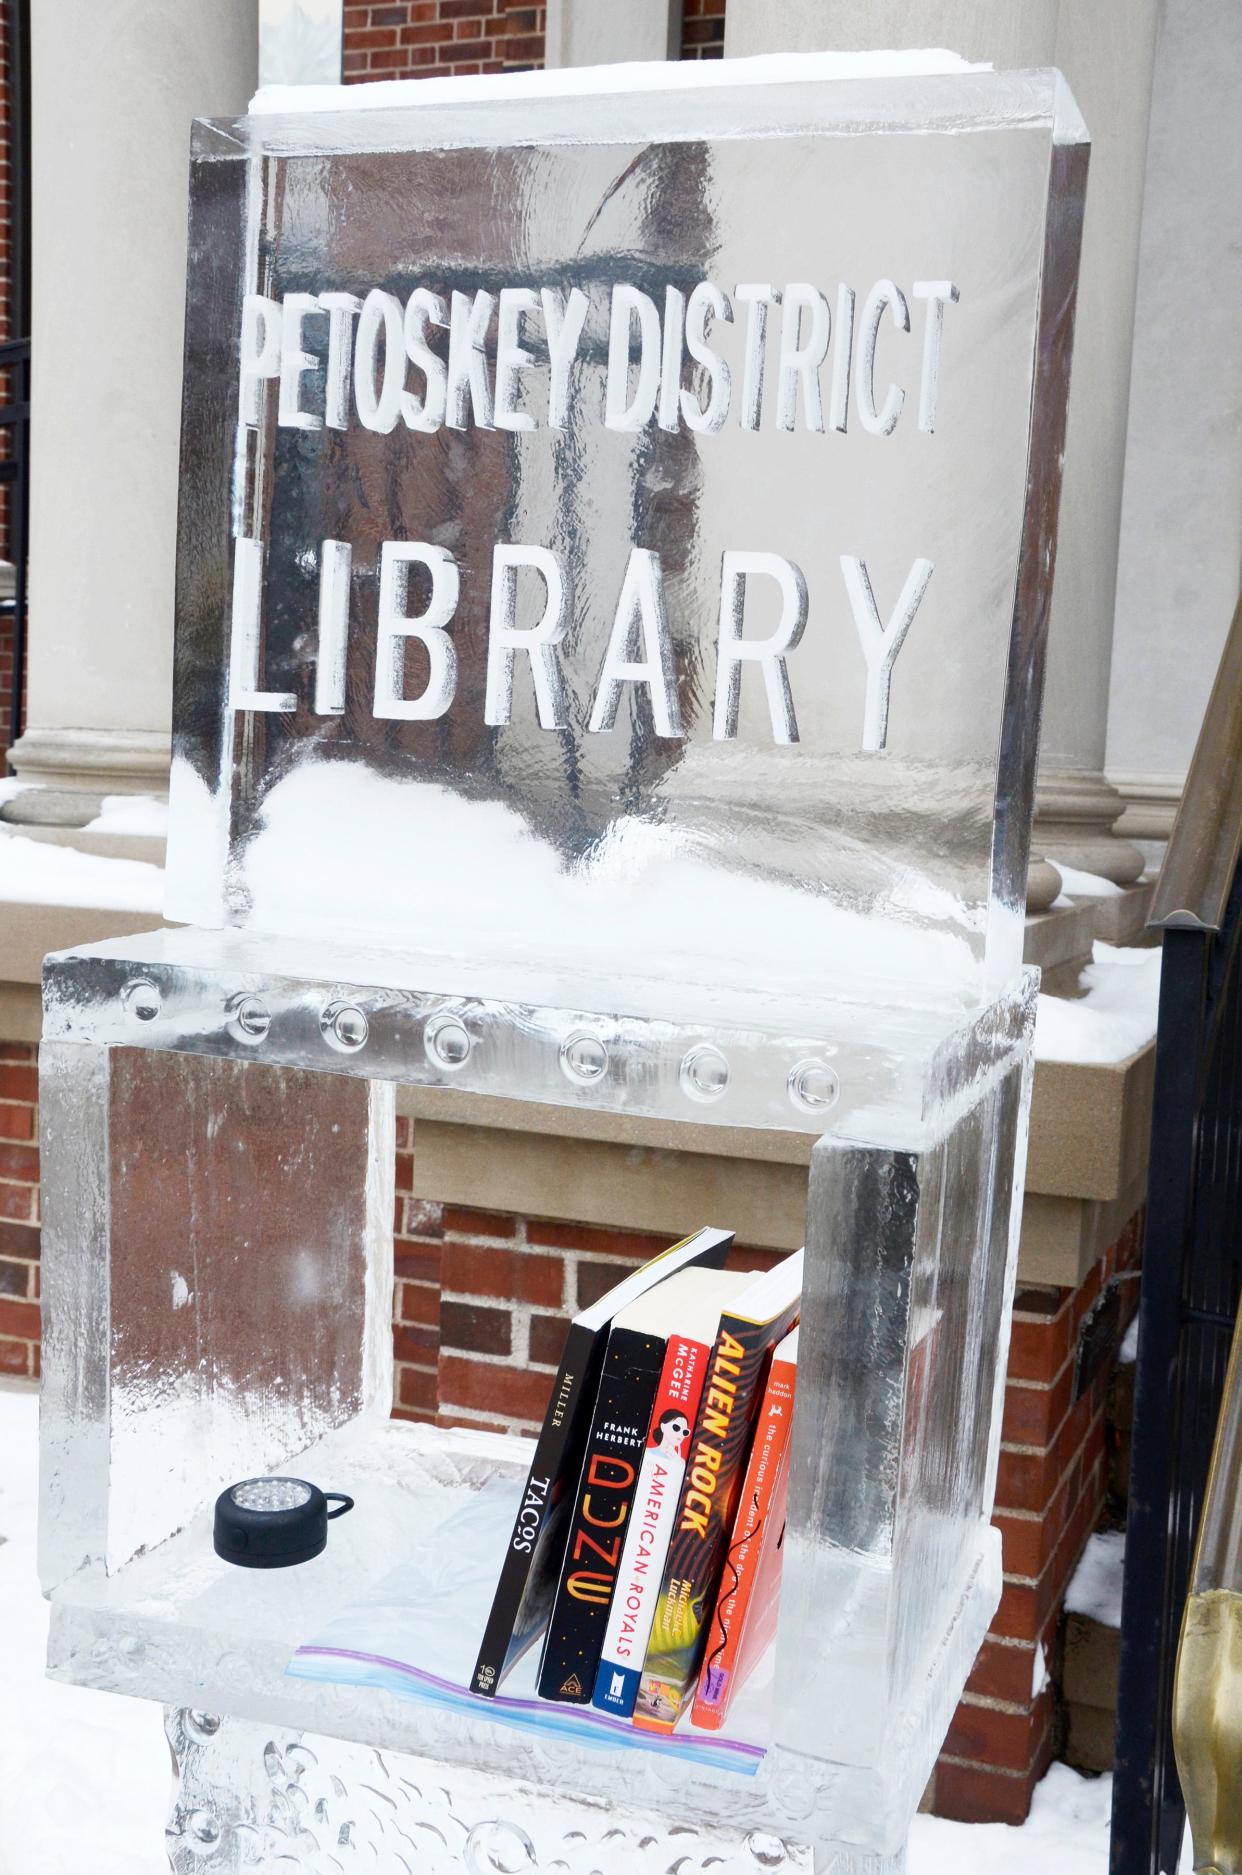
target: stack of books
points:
(645, 1553)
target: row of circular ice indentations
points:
(703, 1073)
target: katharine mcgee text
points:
(377, 361)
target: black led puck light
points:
(269, 1523)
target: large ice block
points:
(669, 762)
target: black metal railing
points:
(1192, 1266)
(15, 480)
(15, 352)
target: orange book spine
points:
(755, 1536)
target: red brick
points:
(16, 1051)
(15, 1278)
(528, 46)
(19, 1240)
(1003, 1671)
(466, 1223)
(1038, 1349)
(353, 65)
(617, 1243)
(467, 29)
(1026, 1480)
(14, 1357)
(388, 16)
(368, 41)
(1021, 1613)
(405, 1132)
(995, 1736)
(19, 1162)
(419, 1346)
(418, 1303)
(463, 9)
(490, 1386)
(417, 1387)
(417, 1262)
(20, 1319)
(1033, 1414)
(475, 1270)
(430, 33)
(401, 58)
(968, 1793)
(405, 1171)
(424, 1218)
(18, 1083)
(17, 1201)
(547, 1338)
(16, 1122)
(477, 1330)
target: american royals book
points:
(528, 1577)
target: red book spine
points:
(749, 1585)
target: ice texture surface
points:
(759, 923)
(878, 853)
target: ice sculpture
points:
(616, 537)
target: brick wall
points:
(426, 38)
(19, 1210)
(1050, 1492)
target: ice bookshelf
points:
(618, 515)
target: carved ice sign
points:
(601, 500)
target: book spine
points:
(754, 1532)
(597, 1529)
(527, 1579)
(651, 1526)
(704, 1516)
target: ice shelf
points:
(180, 1626)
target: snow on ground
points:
(1115, 1016)
(1076, 884)
(1095, 1587)
(84, 1777)
(131, 813)
(85, 1783)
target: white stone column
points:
(114, 85)
(611, 32)
(1107, 54)
(1181, 517)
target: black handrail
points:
(15, 352)
(1192, 1266)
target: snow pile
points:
(1096, 1586)
(1075, 884)
(1066, 1834)
(1113, 1019)
(131, 813)
(84, 1778)
(609, 80)
(36, 872)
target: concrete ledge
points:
(1091, 1126)
(29, 932)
